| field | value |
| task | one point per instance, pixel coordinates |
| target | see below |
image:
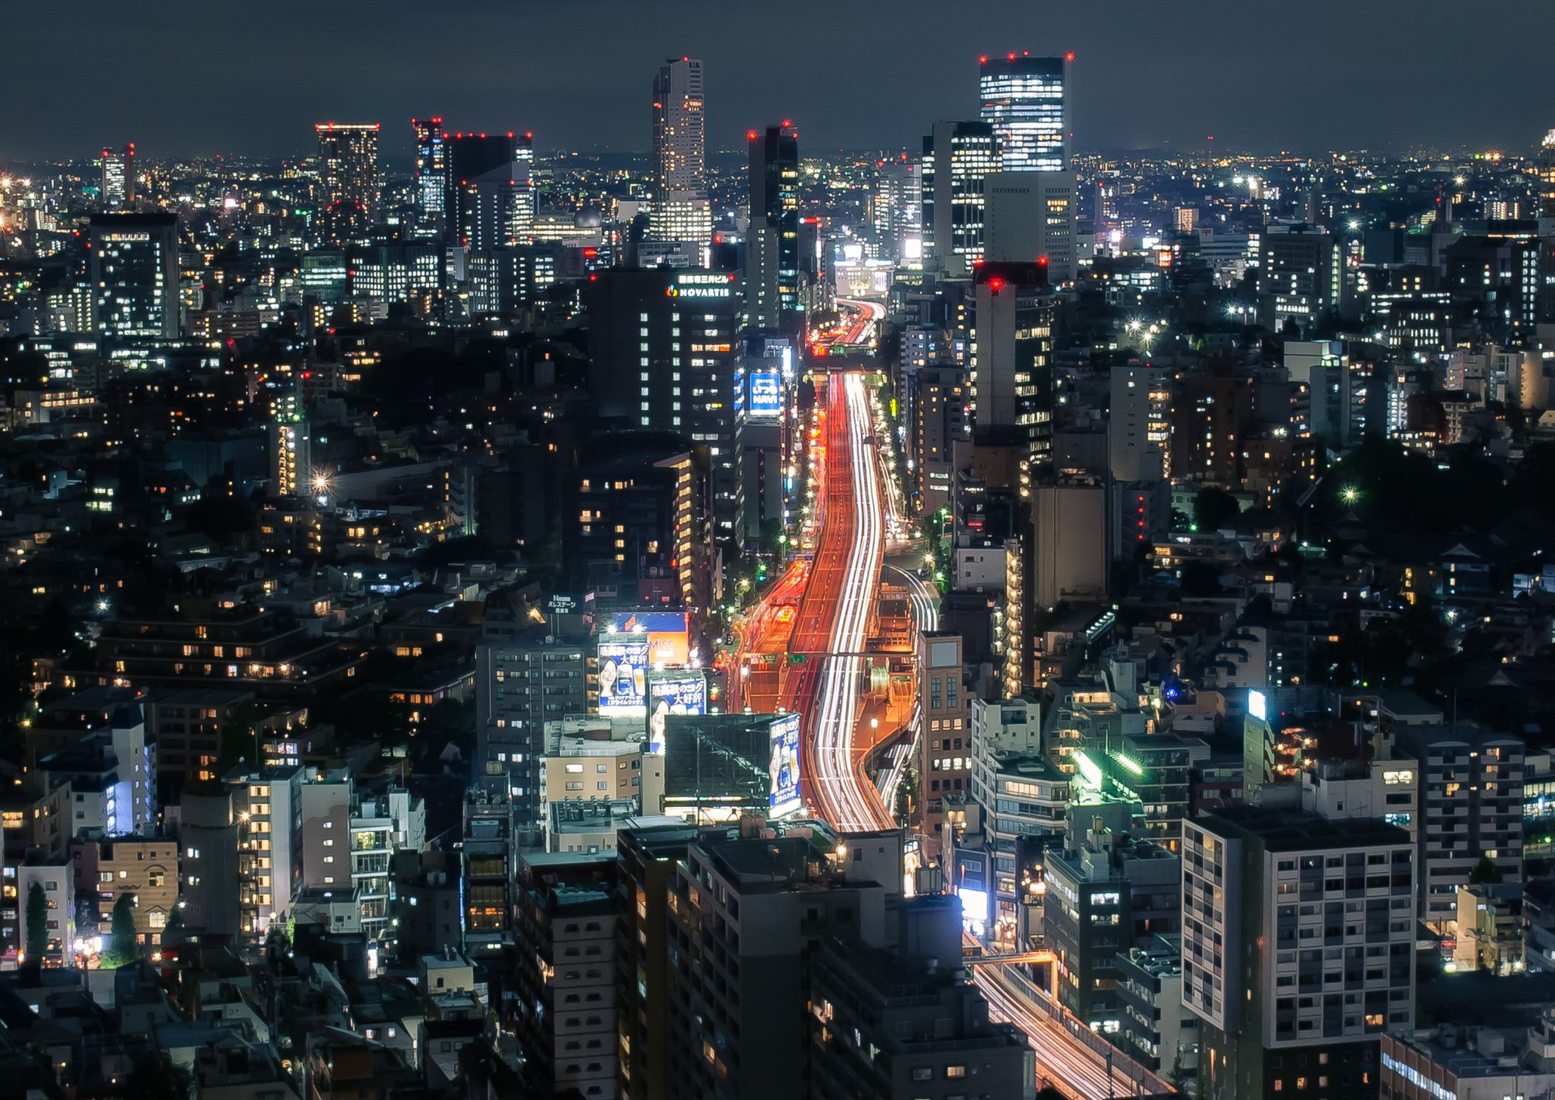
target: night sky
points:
(184, 77)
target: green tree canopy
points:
(122, 949)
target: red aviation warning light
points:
(1069, 56)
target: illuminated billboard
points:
(666, 633)
(623, 674)
(784, 792)
(765, 400)
(673, 693)
(1258, 706)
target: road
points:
(1076, 1066)
(852, 534)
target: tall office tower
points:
(521, 215)
(680, 205)
(957, 158)
(896, 210)
(772, 281)
(431, 170)
(1029, 216)
(348, 179)
(520, 686)
(1297, 950)
(134, 269)
(1012, 359)
(291, 463)
(487, 187)
(665, 354)
(118, 185)
(1139, 422)
(1022, 98)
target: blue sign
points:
(784, 794)
(623, 674)
(766, 394)
(673, 693)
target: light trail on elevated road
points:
(842, 795)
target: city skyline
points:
(503, 65)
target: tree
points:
(1213, 507)
(154, 1077)
(1485, 872)
(122, 949)
(37, 941)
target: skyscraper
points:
(957, 158)
(488, 195)
(1012, 374)
(1022, 98)
(118, 185)
(430, 171)
(773, 277)
(348, 179)
(135, 275)
(680, 204)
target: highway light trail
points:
(843, 796)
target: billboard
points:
(783, 797)
(666, 633)
(623, 674)
(765, 400)
(673, 693)
(1258, 705)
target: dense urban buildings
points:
(671, 611)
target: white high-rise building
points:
(681, 211)
(1297, 948)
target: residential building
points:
(1298, 949)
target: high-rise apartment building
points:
(291, 461)
(945, 753)
(1022, 98)
(750, 911)
(431, 175)
(938, 422)
(118, 181)
(348, 179)
(134, 271)
(1298, 950)
(899, 1024)
(680, 203)
(772, 276)
(957, 159)
(566, 1004)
